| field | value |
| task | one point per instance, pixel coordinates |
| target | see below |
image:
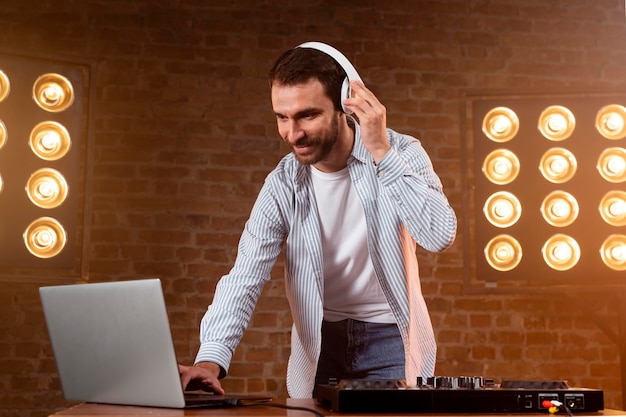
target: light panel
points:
(563, 207)
(43, 154)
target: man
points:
(349, 204)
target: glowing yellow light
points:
(613, 208)
(613, 252)
(502, 209)
(500, 124)
(501, 166)
(561, 252)
(611, 121)
(559, 208)
(3, 134)
(558, 165)
(45, 237)
(50, 141)
(612, 165)
(5, 86)
(1, 183)
(556, 123)
(503, 253)
(53, 92)
(47, 188)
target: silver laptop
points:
(112, 344)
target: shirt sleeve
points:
(237, 293)
(409, 180)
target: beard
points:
(319, 146)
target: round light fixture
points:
(613, 252)
(503, 253)
(502, 209)
(3, 134)
(45, 237)
(559, 208)
(500, 124)
(501, 166)
(561, 252)
(556, 123)
(5, 86)
(558, 165)
(611, 121)
(50, 141)
(612, 165)
(53, 92)
(47, 188)
(613, 208)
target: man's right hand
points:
(203, 376)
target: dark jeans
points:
(353, 349)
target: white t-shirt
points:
(351, 289)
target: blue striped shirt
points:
(404, 205)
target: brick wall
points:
(184, 135)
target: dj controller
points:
(457, 395)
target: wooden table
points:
(262, 410)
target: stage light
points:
(613, 208)
(558, 165)
(44, 169)
(559, 208)
(561, 252)
(53, 92)
(501, 166)
(45, 237)
(5, 86)
(502, 209)
(50, 140)
(500, 124)
(556, 123)
(47, 188)
(612, 164)
(611, 121)
(503, 252)
(545, 178)
(613, 252)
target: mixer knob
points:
(471, 382)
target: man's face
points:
(307, 120)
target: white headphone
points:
(341, 60)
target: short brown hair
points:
(299, 65)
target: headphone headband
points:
(336, 55)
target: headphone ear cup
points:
(345, 93)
